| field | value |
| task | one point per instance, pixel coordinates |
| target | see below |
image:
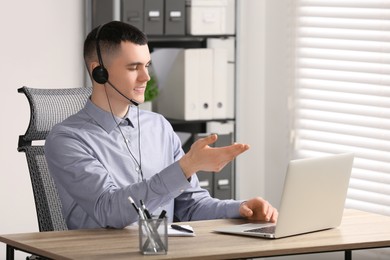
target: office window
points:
(342, 94)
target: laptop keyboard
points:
(267, 229)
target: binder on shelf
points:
(229, 45)
(174, 17)
(223, 43)
(200, 81)
(220, 104)
(193, 84)
(154, 17)
(133, 13)
(225, 127)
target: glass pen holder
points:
(153, 236)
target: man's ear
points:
(92, 66)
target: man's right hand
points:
(202, 157)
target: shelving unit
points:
(220, 185)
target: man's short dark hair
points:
(110, 38)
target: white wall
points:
(264, 83)
(250, 99)
(40, 46)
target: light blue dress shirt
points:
(95, 173)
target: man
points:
(111, 150)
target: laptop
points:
(313, 199)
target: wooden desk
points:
(359, 230)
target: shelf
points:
(185, 41)
(178, 121)
(177, 38)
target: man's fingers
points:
(226, 154)
(268, 210)
(207, 140)
(245, 210)
(271, 214)
(275, 215)
(203, 157)
(233, 150)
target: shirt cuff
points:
(233, 209)
(174, 179)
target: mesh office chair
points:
(47, 108)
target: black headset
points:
(100, 73)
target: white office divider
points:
(193, 83)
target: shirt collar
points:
(105, 119)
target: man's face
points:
(128, 71)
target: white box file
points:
(206, 17)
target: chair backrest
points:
(47, 108)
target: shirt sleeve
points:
(89, 191)
(197, 204)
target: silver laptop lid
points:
(314, 194)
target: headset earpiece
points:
(100, 74)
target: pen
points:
(160, 217)
(180, 228)
(162, 214)
(132, 203)
(145, 210)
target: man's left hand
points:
(258, 209)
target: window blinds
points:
(343, 91)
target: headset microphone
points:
(100, 73)
(135, 103)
